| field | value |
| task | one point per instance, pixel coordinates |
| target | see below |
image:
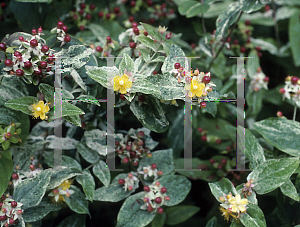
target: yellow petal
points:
(43, 116)
(242, 208)
(123, 90)
(238, 199)
(124, 77)
(232, 201)
(36, 114)
(234, 208)
(128, 84)
(116, 87)
(244, 201)
(34, 106)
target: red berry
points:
(146, 188)
(142, 98)
(13, 204)
(160, 210)
(132, 3)
(81, 27)
(206, 79)
(107, 16)
(150, 3)
(31, 167)
(247, 22)
(82, 6)
(40, 30)
(153, 166)
(228, 148)
(125, 160)
(17, 53)
(238, 177)
(267, 7)
(99, 49)
(218, 141)
(266, 79)
(131, 19)
(43, 64)
(160, 173)
(145, 33)
(75, 17)
(223, 161)
(151, 20)
(3, 218)
(8, 62)
(203, 138)
(150, 208)
(60, 24)
(38, 72)
(19, 72)
(177, 65)
(128, 148)
(33, 31)
(259, 54)
(220, 166)
(116, 10)
(2, 46)
(132, 45)
(11, 221)
(33, 43)
(21, 39)
(88, 16)
(3, 197)
(235, 42)
(294, 80)
(122, 97)
(8, 135)
(158, 200)
(163, 190)
(229, 39)
(45, 48)
(92, 7)
(212, 161)
(140, 134)
(3, 5)
(136, 31)
(258, 48)
(50, 58)
(67, 39)
(108, 39)
(248, 40)
(100, 14)
(15, 176)
(64, 28)
(243, 49)
(134, 25)
(279, 114)
(121, 181)
(193, 45)
(203, 105)
(154, 72)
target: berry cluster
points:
(150, 171)
(10, 211)
(155, 197)
(132, 148)
(31, 61)
(10, 134)
(291, 90)
(61, 33)
(130, 183)
(259, 80)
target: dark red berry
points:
(82, 6)
(223, 161)
(259, 54)
(64, 28)
(8, 135)
(125, 160)
(100, 14)
(220, 166)
(267, 7)
(150, 3)
(177, 65)
(60, 24)
(50, 58)
(149, 208)
(121, 181)
(203, 138)
(99, 49)
(218, 141)
(128, 148)
(140, 134)
(43, 64)
(3, 5)
(3, 218)
(27, 64)
(158, 200)
(2, 46)
(31, 167)
(146, 188)
(132, 45)
(3, 197)
(81, 12)
(108, 39)
(206, 79)
(153, 166)
(38, 72)
(145, 33)
(258, 48)
(45, 48)
(17, 53)
(11, 221)
(67, 39)
(235, 42)
(160, 210)
(136, 31)
(88, 16)
(21, 39)
(34, 31)
(8, 62)
(238, 177)
(154, 72)
(247, 22)
(203, 105)
(229, 39)
(13, 204)
(92, 7)
(132, 3)
(33, 43)
(281, 90)
(163, 190)
(40, 30)
(122, 97)
(116, 10)
(131, 19)
(107, 16)
(266, 79)
(151, 20)
(75, 17)
(81, 27)
(243, 49)
(294, 80)
(248, 40)
(134, 25)
(15, 176)
(19, 72)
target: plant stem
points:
(90, 166)
(203, 23)
(219, 51)
(295, 112)
(147, 63)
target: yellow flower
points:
(40, 109)
(196, 88)
(122, 83)
(238, 204)
(65, 185)
(227, 214)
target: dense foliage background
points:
(150, 118)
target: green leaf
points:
(89, 99)
(102, 172)
(219, 189)
(6, 169)
(153, 32)
(87, 154)
(88, 184)
(96, 140)
(35, 1)
(41, 210)
(68, 109)
(31, 191)
(163, 159)
(78, 79)
(5, 145)
(264, 45)
(252, 63)
(99, 74)
(180, 214)
(159, 220)
(212, 222)
(100, 32)
(211, 108)
(253, 150)
(59, 176)
(226, 19)
(77, 201)
(272, 173)
(254, 101)
(168, 86)
(253, 217)
(178, 187)
(176, 134)
(130, 214)
(74, 119)
(74, 220)
(126, 63)
(114, 192)
(22, 104)
(151, 116)
(294, 33)
(66, 162)
(146, 41)
(281, 133)
(288, 189)
(176, 55)
(48, 92)
(197, 9)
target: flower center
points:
(195, 87)
(38, 109)
(121, 82)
